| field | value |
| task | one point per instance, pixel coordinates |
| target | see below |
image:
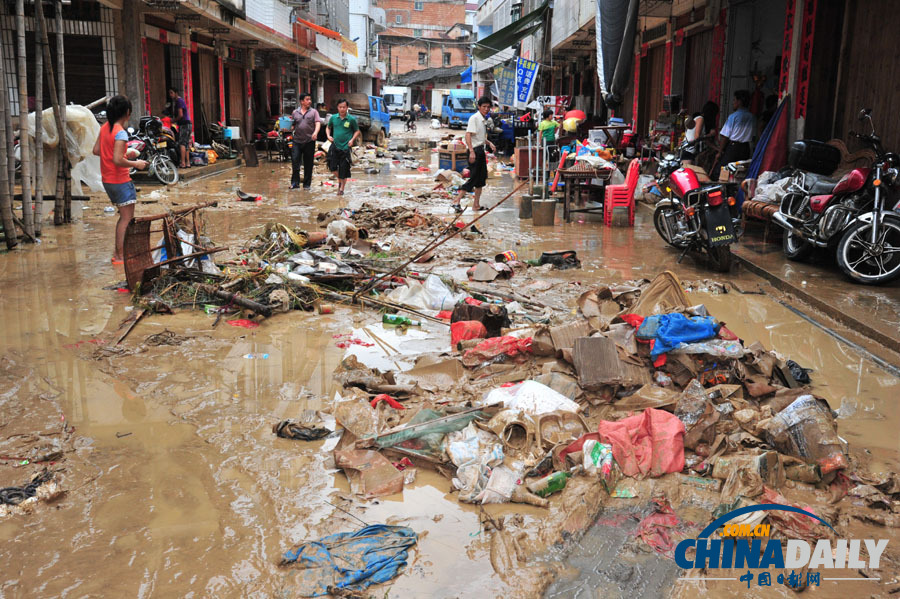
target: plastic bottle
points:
(549, 484)
(397, 320)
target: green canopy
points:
(509, 35)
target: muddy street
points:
(172, 482)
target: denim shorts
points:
(121, 194)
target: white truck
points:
(437, 99)
(397, 100)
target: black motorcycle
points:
(850, 216)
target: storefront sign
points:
(637, 82)
(145, 60)
(505, 77)
(786, 49)
(807, 31)
(526, 73)
(187, 92)
(221, 89)
(163, 36)
(718, 59)
(667, 75)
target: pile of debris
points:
(642, 385)
(372, 218)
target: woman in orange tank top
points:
(111, 146)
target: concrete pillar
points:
(132, 54)
(797, 126)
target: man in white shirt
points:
(476, 139)
(736, 135)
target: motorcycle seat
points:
(819, 184)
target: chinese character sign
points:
(526, 73)
(505, 78)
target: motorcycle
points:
(848, 215)
(159, 163)
(693, 216)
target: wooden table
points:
(613, 132)
(574, 177)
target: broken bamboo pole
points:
(24, 145)
(435, 244)
(9, 142)
(6, 161)
(38, 120)
(63, 200)
(63, 173)
(236, 299)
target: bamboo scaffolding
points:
(24, 145)
(38, 120)
(6, 161)
(63, 175)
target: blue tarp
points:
(669, 330)
(351, 560)
(466, 76)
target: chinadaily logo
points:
(796, 562)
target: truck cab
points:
(396, 100)
(457, 106)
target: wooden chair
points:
(858, 159)
(622, 195)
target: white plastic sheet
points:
(530, 397)
(82, 130)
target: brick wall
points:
(405, 58)
(434, 18)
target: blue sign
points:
(505, 78)
(526, 73)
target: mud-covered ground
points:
(174, 485)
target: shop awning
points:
(509, 35)
(319, 29)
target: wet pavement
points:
(176, 484)
(873, 310)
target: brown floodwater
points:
(176, 484)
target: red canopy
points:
(319, 29)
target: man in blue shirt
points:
(735, 136)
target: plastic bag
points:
(598, 461)
(719, 348)
(530, 397)
(495, 347)
(499, 487)
(426, 440)
(433, 295)
(464, 330)
(474, 452)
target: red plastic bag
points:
(489, 349)
(445, 314)
(466, 329)
(243, 322)
(390, 401)
(650, 443)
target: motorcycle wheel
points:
(165, 170)
(867, 264)
(379, 139)
(794, 247)
(659, 216)
(720, 258)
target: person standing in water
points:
(476, 139)
(307, 122)
(343, 131)
(111, 146)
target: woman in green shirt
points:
(548, 127)
(343, 131)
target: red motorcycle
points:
(693, 216)
(848, 215)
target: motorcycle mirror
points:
(689, 123)
(864, 113)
